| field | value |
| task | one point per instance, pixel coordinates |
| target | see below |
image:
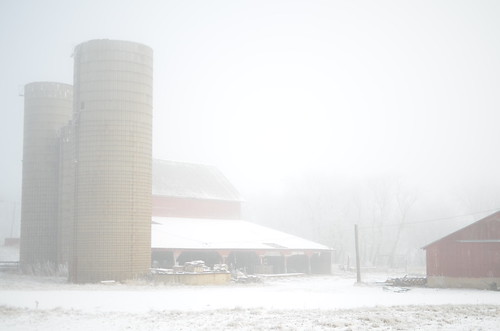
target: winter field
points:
(278, 303)
(287, 303)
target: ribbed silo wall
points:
(47, 107)
(113, 147)
(66, 194)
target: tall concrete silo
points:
(113, 150)
(66, 194)
(47, 107)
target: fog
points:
(322, 113)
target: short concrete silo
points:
(113, 137)
(47, 107)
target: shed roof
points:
(210, 234)
(462, 235)
(188, 180)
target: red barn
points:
(469, 257)
(197, 216)
(193, 191)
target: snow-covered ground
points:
(290, 303)
(377, 318)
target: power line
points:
(430, 220)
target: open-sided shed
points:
(238, 243)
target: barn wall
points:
(195, 208)
(485, 229)
(485, 283)
(459, 259)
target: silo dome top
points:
(48, 90)
(114, 44)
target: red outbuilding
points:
(469, 257)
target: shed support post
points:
(225, 257)
(309, 264)
(177, 254)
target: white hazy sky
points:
(268, 90)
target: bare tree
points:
(405, 200)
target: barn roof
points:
(188, 180)
(462, 235)
(210, 234)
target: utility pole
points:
(13, 219)
(358, 269)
